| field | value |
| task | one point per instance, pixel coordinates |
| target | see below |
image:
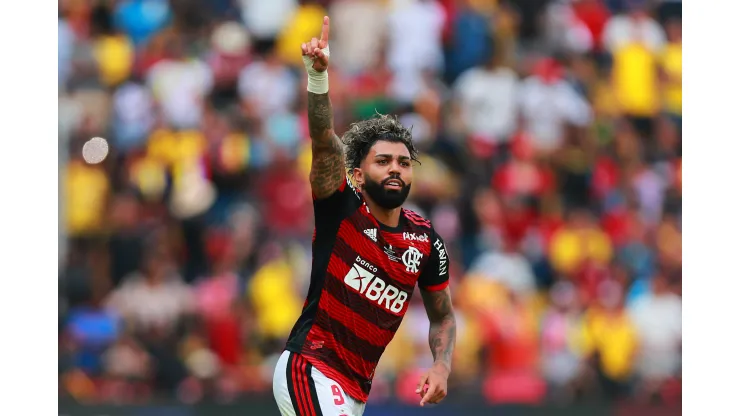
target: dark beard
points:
(386, 198)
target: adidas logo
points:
(372, 233)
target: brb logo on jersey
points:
(361, 278)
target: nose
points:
(394, 168)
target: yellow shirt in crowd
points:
(305, 24)
(636, 80)
(614, 337)
(86, 192)
(671, 62)
(149, 176)
(177, 150)
(569, 248)
(275, 281)
(175, 147)
(115, 58)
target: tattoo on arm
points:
(442, 327)
(327, 166)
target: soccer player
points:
(368, 255)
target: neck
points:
(389, 217)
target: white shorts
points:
(302, 390)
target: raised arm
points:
(327, 165)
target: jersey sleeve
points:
(332, 209)
(436, 274)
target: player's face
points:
(386, 173)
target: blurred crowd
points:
(550, 138)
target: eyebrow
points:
(387, 156)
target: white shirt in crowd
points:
(66, 41)
(650, 188)
(265, 19)
(414, 45)
(133, 110)
(488, 102)
(272, 89)
(510, 269)
(564, 30)
(355, 44)
(658, 321)
(152, 306)
(548, 108)
(181, 88)
(622, 29)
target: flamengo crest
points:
(411, 259)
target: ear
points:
(358, 177)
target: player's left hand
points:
(435, 381)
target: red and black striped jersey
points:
(362, 278)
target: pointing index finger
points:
(325, 30)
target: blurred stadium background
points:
(551, 163)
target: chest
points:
(399, 255)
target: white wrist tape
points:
(318, 82)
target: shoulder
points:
(421, 230)
(416, 219)
(339, 205)
(422, 235)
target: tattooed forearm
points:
(442, 341)
(327, 167)
(320, 118)
(442, 329)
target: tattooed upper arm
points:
(438, 304)
(327, 165)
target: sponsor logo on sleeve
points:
(439, 245)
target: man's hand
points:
(432, 386)
(314, 48)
